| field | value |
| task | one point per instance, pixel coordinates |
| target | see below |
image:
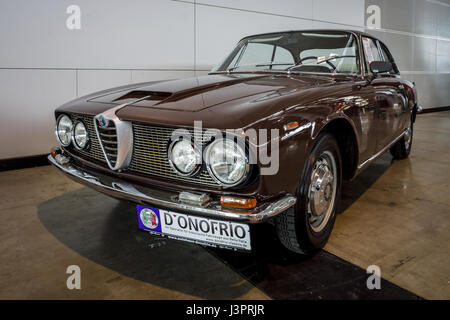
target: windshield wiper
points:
(321, 61)
(273, 64)
(259, 65)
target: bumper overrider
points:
(148, 196)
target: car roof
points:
(358, 33)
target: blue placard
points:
(149, 218)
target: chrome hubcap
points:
(322, 191)
(407, 138)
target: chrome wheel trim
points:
(322, 191)
(408, 137)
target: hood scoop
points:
(142, 94)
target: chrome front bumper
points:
(117, 188)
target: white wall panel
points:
(425, 17)
(95, 80)
(292, 8)
(401, 47)
(200, 73)
(442, 86)
(350, 12)
(29, 98)
(429, 89)
(139, 34)
(443, 56)
(219, 30)
(443, 28)
(331, 25)
(154, 75)
(424, 54)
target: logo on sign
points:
(149, 218)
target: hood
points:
(215, 99)
(196, 94)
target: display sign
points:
(197, 229)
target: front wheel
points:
(306, 227)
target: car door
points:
(388, 98)
(400, 114)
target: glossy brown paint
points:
(371, 113)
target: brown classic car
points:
(266, 137)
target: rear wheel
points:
(402, 148)
(306, 227)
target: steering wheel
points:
(307, 58)
(315, 58)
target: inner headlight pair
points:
(225, 160)
(66, 132)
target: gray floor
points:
(402, 221)
(395, 215)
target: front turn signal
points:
(238, 203)
(290, 126)
(54, 151)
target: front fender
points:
(295, 145)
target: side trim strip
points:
(379, 153)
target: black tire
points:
(402, 148)
(294, 227)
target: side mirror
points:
(380, 67)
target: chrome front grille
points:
(108, 140)
(150, 154)
(149, 151)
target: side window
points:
(388, 57)
(370, 50)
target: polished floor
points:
(396, 215)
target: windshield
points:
(314, 51)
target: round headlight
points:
(226, 162)
(64, 130)
(184, 157)
(80, 135)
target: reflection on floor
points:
(395, 215)
(105, 231)
(112, 240)
(401, 219)
(283, 275)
